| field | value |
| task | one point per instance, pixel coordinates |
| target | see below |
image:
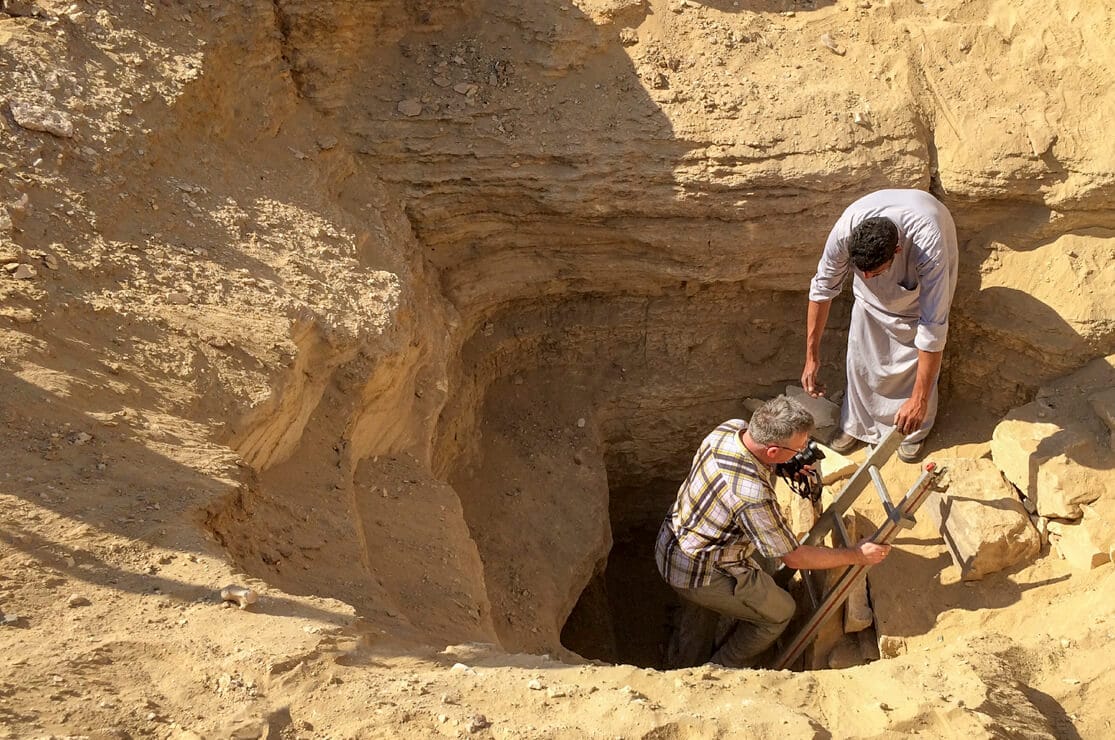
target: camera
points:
(805, 483)
(808, 455)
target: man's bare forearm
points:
(929, 365)
(808, 557)
(816, 318)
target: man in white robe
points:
(900, 247)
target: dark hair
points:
(779, 419)
(873, 243)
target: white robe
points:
(895, 314)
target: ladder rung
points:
(810, 589)
(881, 489)
(882, 452)
(842, 531)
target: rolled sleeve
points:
(767, 530)
(934, 304)
(832, 269)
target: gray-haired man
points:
(725, 511)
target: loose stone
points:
(410, 107)
(830, 44)
(24, 272)
(38, 118)
(239, 595)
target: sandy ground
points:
(267, 325)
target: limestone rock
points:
(39, 118)
(1057, 466)
(1089, 543)
(835, 466)
(830, 43)
(1048, 307)
(802, 515)
(410, 107)
(1041, 524)
(984, 525)
(891, 646)
(24, 272)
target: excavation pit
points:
(625, 613)
(409, 301)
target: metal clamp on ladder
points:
(899, 516)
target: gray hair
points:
(779, 419)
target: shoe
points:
(843, 443)
(910, 451)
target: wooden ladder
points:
(899, 516)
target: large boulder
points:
(1057, 449)
(984, 525)
(1042, 457)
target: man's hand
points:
(809, 382)
(910, 417)
(871, 553)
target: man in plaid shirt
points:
(725, 511)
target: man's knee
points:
(768, 602)
(782, 608)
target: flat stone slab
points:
(985, 526)
(825, 413)
(35, 117)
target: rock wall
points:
(636, 194)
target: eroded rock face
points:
(983, 523)
(1047, 306)
(1056, 450)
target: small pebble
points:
(830, 44)
(239, 595)
(410, 107)
(24, 272)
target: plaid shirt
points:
(724, 511)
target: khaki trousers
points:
(752, 598)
